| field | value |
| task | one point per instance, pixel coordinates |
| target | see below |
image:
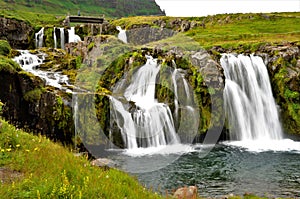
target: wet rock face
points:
(15, 32)
(29, 105)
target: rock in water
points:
(186, 193)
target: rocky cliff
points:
(29, 104)
(17, 33)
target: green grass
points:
(231, 30)
(87, 7)
(241, 29)
(48, 170)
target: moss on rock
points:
(8, 65)
(4, 48)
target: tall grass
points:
(49, 170)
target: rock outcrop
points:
(29, 104)
(16, 32)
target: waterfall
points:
(62, 38)
(72, 36)
(147, 123)
(182, 93)
(30, 63)
(249, 103)
(39, 37)
(122, 34)
(54, 38)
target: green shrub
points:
(8, 65)
(4, 48)
(1, 108)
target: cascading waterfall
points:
(151, 123)
(249, 103)
(39, 38)
(184, 98)
(30, 63)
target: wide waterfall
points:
(148, 123)
(249, 104)
(39, 37)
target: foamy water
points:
(177, 149)
(284, 145)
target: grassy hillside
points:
(243, 29)
(34, 167)
(111, 8)
(230, 29)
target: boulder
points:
(104, 163)
(186, 193)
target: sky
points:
(186, 8)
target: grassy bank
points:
(35, 167)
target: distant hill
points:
(111, 8)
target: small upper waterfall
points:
(54, 38)
(149, 123)
(39, 37)
(122, 34)
(249, 104)
(62, 38)
(72, 36)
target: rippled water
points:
(224, 170)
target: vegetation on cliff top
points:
(228, 30)
(4, 48)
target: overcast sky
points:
(209, 7)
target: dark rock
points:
(16, 32)
(43, 113)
